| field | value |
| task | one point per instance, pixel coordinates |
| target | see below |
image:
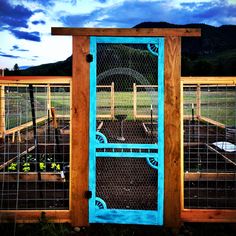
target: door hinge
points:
(89, 58)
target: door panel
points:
(126, 130)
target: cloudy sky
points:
(25, 25)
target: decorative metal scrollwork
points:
(100, 204)
(100, 138)
(153, 48)
(152, 162)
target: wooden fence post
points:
(112, 101)
(135, 100)
(198, 102)
(2, 112)
(172, 132)
(80, 132)
(49, 102)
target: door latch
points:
(89, 58)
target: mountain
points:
(214, 53)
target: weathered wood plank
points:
(204, 176)
(80, 132)
(209, 120)
(113, 100)
(2, 112)
(24, 126)
(197, 215)
(172, 131)
(198, 101)
(209, 80)
(126, 32)
(35, 80)
(33, 216)
(30, 176)
(181, 146)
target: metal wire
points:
(34, 168)
(126, 183)
(210, 146)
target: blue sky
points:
(25, 25)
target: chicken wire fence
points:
(209, 146)
(124, 181)
(133, 72)
(34, 157)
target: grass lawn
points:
(217, 105)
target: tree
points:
(16, 67)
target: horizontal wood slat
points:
(126, 31)
(33, 216)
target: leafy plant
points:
(55, 166)
(42, 166)
(26, 167)
(12, 167)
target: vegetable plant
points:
(55, 166)
(12, 167)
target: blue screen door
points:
(126, 163)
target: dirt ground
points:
(188, 229)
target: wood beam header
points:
(185, 32)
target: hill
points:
(214, 53)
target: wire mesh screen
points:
(144, 95)
(128, 190)
(210, 146)
(105, 101)
(127, 66)
(125, 181)
(34, 157)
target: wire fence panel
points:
(210, 146)
(34, 157)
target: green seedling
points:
(12, 167)
(42, 166)
(26, 167)
(55, 166)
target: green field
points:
(216, 105)
(18, 108)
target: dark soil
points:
(48, 229)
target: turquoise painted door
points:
(126, 163)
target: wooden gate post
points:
(172, 132)
(2, 112)
(80, 132)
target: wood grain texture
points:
(198, 101)
(30, 176)
(80, 132)
(205, 176)
(209, 80)
(35, 80)
(2, 112)
(33, 216)
(172, 132)
(126, 32)
(198, 215)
